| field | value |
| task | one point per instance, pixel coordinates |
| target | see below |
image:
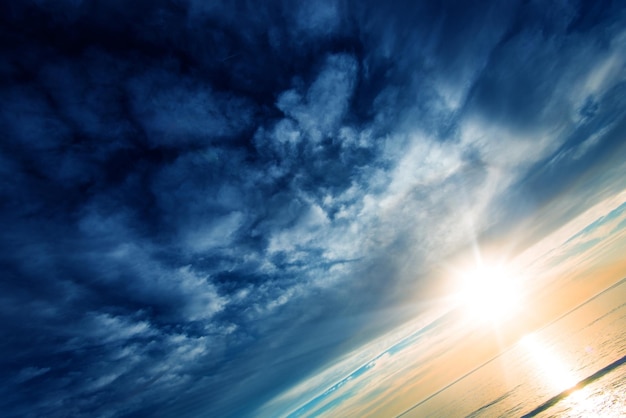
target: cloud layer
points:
(202, 204)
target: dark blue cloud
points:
(204, 203)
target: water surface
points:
(574, 367)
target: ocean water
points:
(575, 367)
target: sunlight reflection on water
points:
(604, 398)
(550, 367)
(588, 347)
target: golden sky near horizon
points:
(558, 272)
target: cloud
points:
(175, 112)
(204, 203)
(326, 100)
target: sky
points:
(247, 208)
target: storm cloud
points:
(203, 203)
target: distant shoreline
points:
(610, 367)
(555, 399)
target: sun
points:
(490, 293)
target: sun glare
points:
(490, 293)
